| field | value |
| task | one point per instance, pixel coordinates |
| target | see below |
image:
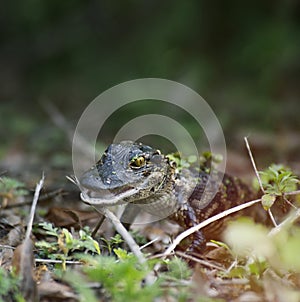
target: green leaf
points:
(237, 272)
(50, 230)
(97, 247)
(122, 254)
(68, 237)
(278, 179)
(257, 267)
(7, 183)
(9, 287)
(220, 243)
(267, 201)
(12, 187)
(121, 280)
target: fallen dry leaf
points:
(63, 217)
(23, 262)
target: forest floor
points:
(63, 259)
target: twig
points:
(149, 243)
(292, 192)
(206, 222)
(58, 261)
(253, 164)
(4, 246)
(259, 179)
(101, 220)
(202, 262)
(123, 232)
(288, 221)
(23, 259)
(149, 279)
(289, 203)
(272, 218)
(34, 203)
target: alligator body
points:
(137, 174)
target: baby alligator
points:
(136, 174)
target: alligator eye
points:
(137, 162)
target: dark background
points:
(242, 57)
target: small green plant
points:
(10, 189)
(207, 159)
(180, 163)
(113, 242)
(276, 181)
(9, 287)
(122, 254)
(122, 279)
(65, 244)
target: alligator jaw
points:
(109, 198)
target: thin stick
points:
(58, 261)
(202, 262)
(288, 221)
(34, 203)
(190, 257)
(203, 224)
(272, 218)
(149, 243)
(292, 192)
(3, 246)
(123, 232)
(23, 258)
(254, 165)
(101, 220)
(289, 203)
(259, 179)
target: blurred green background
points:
(242, 57)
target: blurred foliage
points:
(278, 179)
(10, 190)
(9, 287)
(242, 57)
(65, 243)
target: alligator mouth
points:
(107, 197)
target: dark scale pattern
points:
(231, 192)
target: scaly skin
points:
(133, 173)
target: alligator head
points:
(126, 172)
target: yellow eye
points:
(137, 162)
